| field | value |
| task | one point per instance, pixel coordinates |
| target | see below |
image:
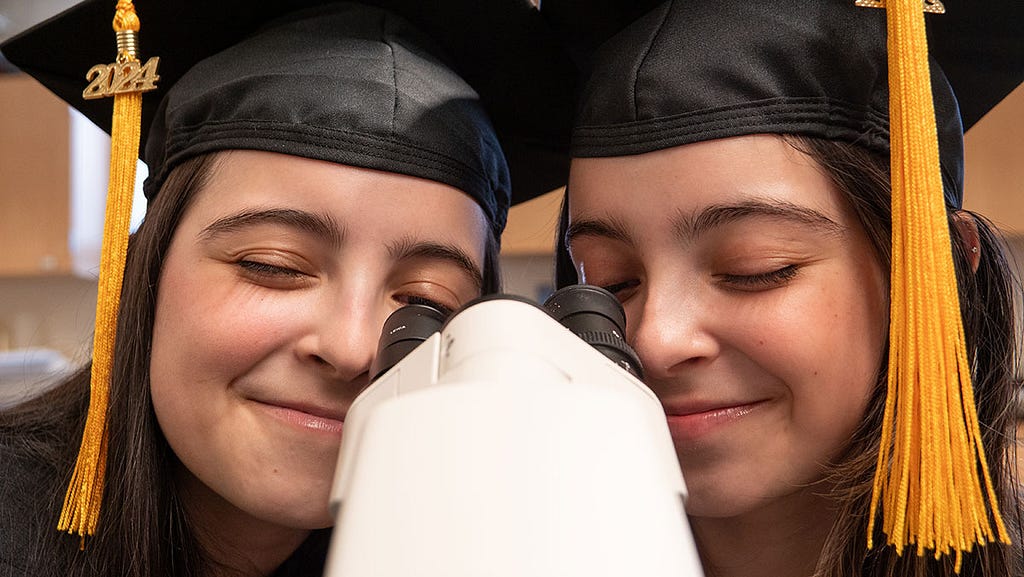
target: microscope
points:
(509, 440)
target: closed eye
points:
(272, 276)
(760, 281)
(258, 268)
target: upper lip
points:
(693, 407)
(323, 411)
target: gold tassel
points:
(931, 465)
(125, 80)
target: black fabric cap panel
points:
(690, 71)
(979, 45)
(344, 83)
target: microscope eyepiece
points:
(595, 316)
(591, 313)
(403, 331)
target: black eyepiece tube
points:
(403, 331)
(595, 316)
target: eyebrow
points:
(611, 228)
(688, 227)
(321, 225)
(407, 248)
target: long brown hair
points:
(986, 302)
(143, 528)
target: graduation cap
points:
(978, 45)
(446, 91)
(502, 48)
(664, 74)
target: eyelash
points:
(263, 269)
(753, 281)
(763, 280)
(418, 300)
(272, 272)
(619, 287)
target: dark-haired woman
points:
(730, 183)
(306, 181)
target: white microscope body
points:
(506, 446)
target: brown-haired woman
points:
(306, 181)
(730, 184)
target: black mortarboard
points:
(709, 70)
(685, 71)
(978, 45)
(435, 129)
(395, 85)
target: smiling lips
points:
(311, 418)
(690, 422)
(685, 422)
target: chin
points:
(724, 494)
(292, 503)
(302, 515)
(721, 505)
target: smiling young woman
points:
(311, 172)
(753, 272)
(730, 183)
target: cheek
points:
(837, 347)
(207, 334)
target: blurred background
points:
(53, 166)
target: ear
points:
(969, 239)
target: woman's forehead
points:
(351, 200)
(689, 178)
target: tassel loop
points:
(125, 18)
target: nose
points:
(342, 340)
(670, 330)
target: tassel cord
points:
(82, 502)
(931, 466)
